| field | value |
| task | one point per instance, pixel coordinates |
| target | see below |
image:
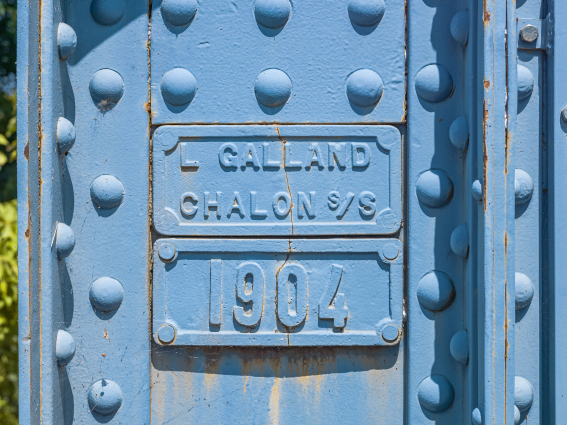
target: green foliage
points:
(8, 218)
(8, 313)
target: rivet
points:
(272, 14)
(459, 133)
(65, 135)
(433, 83)
(564, 114)
(106, 294)
(523, 394)
(105, 397)
(107, 12)
(66, 41)
(64, 347)
(106, 87)
(477, 190)
(435, 291)
(525, 82)
(434, 188)
(460, 241)
(523, 186)
(166, 334)
(390, 333)
(64, 240)
(517, 415)
(178, 87)
(364, 88)
(107, 191)
(529, 33)
(459, 347)
(476, 417)
(178, 12)
(272, 88)
(391, 251)
(524, 290)
(166, 252)
(435, 393)
(460, 27)
(366, 13)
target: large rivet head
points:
(460, 27)
(529, 34)
(523, 394)
(525, 82)
(106, 87)
(517, 415)
(272, 88)
(459, 347)
(66, 41)
(105, 397)
(166, 252)
(523, 186)
(178, 87)
(166, 334)
(476, 417)
(272, 14)
(107, 12)
(107, 191)
(435, 393)
(64, 240)
(106, 294)
(64, 347)
(477, 191)
(433, 83)
(524, 291)
(435, 291)
(366, 13)
(460, 241)
(459, 133)
(178, 12)
(364, 88)
(434, 188)
(65, 135)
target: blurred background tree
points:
(8, 218)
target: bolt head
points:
(529, 34)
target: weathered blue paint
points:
(273, 211)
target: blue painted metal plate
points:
(268, 180)
(251, 292)
(225, 49)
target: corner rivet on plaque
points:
(166, 252)
(166, 334)
(391, 252)
(390, 333)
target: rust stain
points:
(105, 334)
(27, 151)
(486, 84)
(484, 153)
(27, 233)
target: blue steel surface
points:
(368, 289)
(268, 180)
(225, 50)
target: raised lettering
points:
(288, 162)
(250, 275)
(269, 163)
(307, 205)
(338, 312)
(236, 206)
(254, 211)
(184, 155)
(360, 155)
(344, 207)
(249, 156)
(228, 155)
(337, 152)
(215, 294)
(334, 200)
(315, 156)
(277, 207)
(216, 204)
(292, 295)
(193, 200)
(367, 202)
